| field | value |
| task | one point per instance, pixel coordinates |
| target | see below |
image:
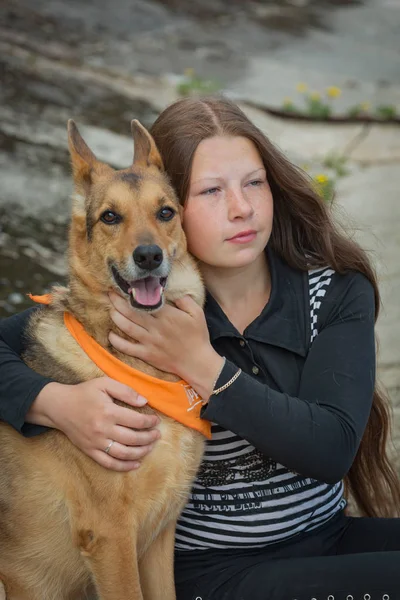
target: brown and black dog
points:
(68, 525)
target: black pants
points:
(346, 559)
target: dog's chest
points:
(168, 474)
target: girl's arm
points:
(318, 432)
(19, 385)
(29, 401)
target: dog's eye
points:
(110, 218)
(166, 213)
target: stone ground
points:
(105, 63)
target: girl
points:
(284, 359)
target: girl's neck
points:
(243, 292)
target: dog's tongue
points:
(148, 291)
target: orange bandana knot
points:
(177, 400)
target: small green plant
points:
(192, 84)
(325, 186)
(288, 106)
(359, 110)
(383, 111)
(316, 106)
(337, 163)
(386, 111)
(319, 106)
(324, 183)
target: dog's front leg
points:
(115, 570)
(109, 549)
(156, 567)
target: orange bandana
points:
(175, 399)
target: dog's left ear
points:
(145, 150)
(85, 165)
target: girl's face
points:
(228, 213)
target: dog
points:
(68, 526)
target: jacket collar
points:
(284, 321)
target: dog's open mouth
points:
(144, 293)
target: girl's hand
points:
(175, 339)
(88, 416)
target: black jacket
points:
(304, 407)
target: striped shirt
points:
(241, 498)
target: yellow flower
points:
(315, 96)
(189, 72)
(287, 101)
(301, 87)
(365, 106)
(333, 91)
(321, 178)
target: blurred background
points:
(320, 77)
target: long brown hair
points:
(302, 227)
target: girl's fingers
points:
(127, 347)
(127, 453)
(108, 462)
(131, 328)
(127, 437)
(188, 305)
(133, 419)
(120, 391)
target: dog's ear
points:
(85, 165)
(145, 150)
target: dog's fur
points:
(66, 523)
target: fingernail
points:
(141, 400)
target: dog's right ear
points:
(85, 165)
(145, 150)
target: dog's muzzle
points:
(145, 293)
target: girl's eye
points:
(166, 213)
(209, 191)
(110, 218)
(256, 182)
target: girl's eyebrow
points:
(210, 178)
(214, 178)
(254, 172)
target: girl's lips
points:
(243, 238)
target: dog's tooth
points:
(133, 292)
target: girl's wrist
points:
(203, 375)
(44, 410)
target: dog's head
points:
(126, 230)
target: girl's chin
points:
(242, 259)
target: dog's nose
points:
(148, 257)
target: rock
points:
(381, 145)
(369, 202)
(305, 141)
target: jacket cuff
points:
(18, 420)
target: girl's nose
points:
(238, 205)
